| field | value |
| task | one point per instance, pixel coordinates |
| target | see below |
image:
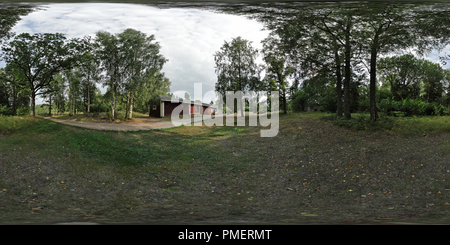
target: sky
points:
(188, 37)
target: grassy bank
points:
(312, 171)
(395, 125)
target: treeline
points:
(67, 73)
(407, 84)
(349, 57)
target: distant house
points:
(165, 107)
(312, 106)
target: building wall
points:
(155, 113)
(169, 107)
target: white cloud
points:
(188, 37)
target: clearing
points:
(311, 172)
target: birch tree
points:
(108, 52)
(235, 67)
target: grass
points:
(312, 171)
(405, 126)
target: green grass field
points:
(312, 171)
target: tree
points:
(141, 59)
(14, 96)
(39, 57)
(403, 74)
(10, 14)
(108, 52)
(278, 70)
(412, 77)
(53, 92)
(433, 81)
(187, 96)
(361, 32)
(315, 37)
(235, 67)
(59, 93)
(152, 87)
(339, 24)
(73, 78)
(90, 71)
(131, 61)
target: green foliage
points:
(132, 65)
(23, 111)
(411, 77)
(227, 110)
(327, 102)
(10, 14)
(413, 107)
(236, 68)
(39, 57)
(299, 100)
(5, 110)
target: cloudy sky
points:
(188, 37)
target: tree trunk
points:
(373, 80)
(50, 105)
(14, 99)
(284, 101)
(72, 111)
(240, 84)
(89, 103)
(113, 102)
(131, 105)
(338, 82)
(113, 107)
(347, 99)
(32, 103)
(127, 107)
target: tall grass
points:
(399, 125)
(13, 123)
(422, 125)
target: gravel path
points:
(123, 126)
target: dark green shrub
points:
(327, 102)
(23, 111)
(6, 111)
(413, 107)
(299, 100)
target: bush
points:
(6, 111)
(227, 110)
(23, 111)
(388, 105)
(299, 100)
(327, 102)
(441, 110)
(413, 107)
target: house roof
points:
(167, 98)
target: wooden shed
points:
(166, 106)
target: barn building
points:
(165, 107)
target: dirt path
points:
(141, 124)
